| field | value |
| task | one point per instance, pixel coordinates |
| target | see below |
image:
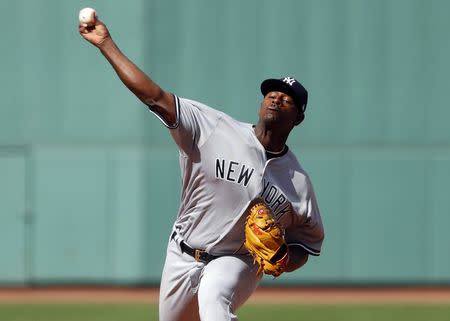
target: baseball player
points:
(225, 165)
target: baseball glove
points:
(264, 239)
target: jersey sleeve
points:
(194, 124)
(306, 229)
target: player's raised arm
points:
(158, 100)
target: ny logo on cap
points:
(289, 80)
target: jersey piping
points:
(177, 114)
(307, 248)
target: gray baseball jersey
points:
(224, 167)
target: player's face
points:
(279, 108)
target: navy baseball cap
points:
(290, 86)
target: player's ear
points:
(299, 119)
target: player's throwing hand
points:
(96, 34)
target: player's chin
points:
(271, 119)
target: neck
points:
(271, 140)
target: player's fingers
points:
(82, 30)
(82, 27)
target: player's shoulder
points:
(190, 103)
(291, 158)
(296, 167)
(202, 107)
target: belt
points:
(198, 255)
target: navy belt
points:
(198, 255)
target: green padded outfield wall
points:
(89, 179)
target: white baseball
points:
(87, 16)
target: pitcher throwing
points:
(242, 190)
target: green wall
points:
(89, 179)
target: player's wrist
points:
(107, 44)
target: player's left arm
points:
(305, 234)
(298, 257)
